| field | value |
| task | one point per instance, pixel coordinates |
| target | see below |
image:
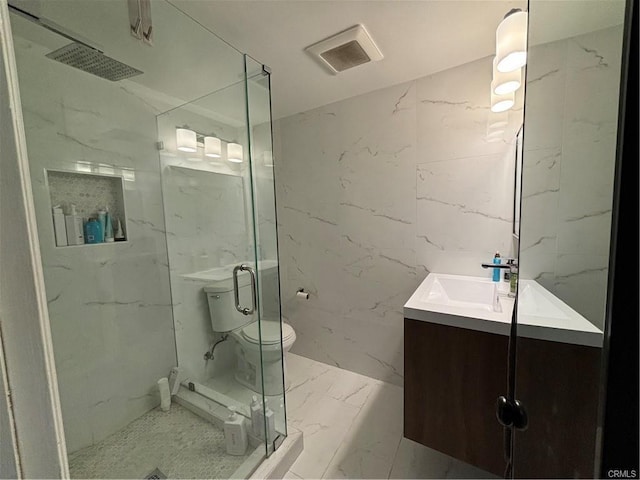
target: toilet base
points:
(249, 374)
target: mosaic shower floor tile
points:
(177, 443)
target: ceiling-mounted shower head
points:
(93, 61)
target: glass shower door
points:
(276, 336)
(569, 155)
(221, 242)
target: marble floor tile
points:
(310, 381)
(414, 460)
(352, 388)
(291, 476)
(369, 448)
(324, 427)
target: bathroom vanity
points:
(456, 340)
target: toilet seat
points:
(270, 332)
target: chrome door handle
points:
(236, 290)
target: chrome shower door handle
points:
(236, 289)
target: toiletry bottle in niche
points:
(119, 234)
(235, 433)
(257, 418)
(75, 230)
(102, 218)
(496, 271)
(59, 227)
(108, 228)
(93, 231)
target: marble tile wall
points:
(110, 304)
(376, 191)
(569, 156)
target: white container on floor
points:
(257, 418)
(165, 395)
(235, 433)
(269, 422)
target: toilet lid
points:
(270, 332)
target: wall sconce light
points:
(234, 152)
(186, 140)
(212, 147)
(511, 41)
(505, 82)
(502, 103)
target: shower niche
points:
(83, 195)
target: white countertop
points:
(541, 315)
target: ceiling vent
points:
(346, 50)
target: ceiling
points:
(189, 64)
(417, 38)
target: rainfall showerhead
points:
(91, 60)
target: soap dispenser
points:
(496, 271)
(235, 433)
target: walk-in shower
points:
(133, 308)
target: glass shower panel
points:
(569, 151)
(276, 336)
(92, 145)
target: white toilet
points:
(246, 330)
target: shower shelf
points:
(89, 192)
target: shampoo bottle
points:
(102, 218)
(75, 230)
(119, 235)
(496, 271)
(108, 228)
(235, 433)
(59, 227)
(93, 231)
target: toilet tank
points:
(222, 305)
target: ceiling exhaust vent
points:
(346, 50)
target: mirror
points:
(569, 150)
(567, 184)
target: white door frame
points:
(32, 443)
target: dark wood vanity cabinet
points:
(454, 375)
